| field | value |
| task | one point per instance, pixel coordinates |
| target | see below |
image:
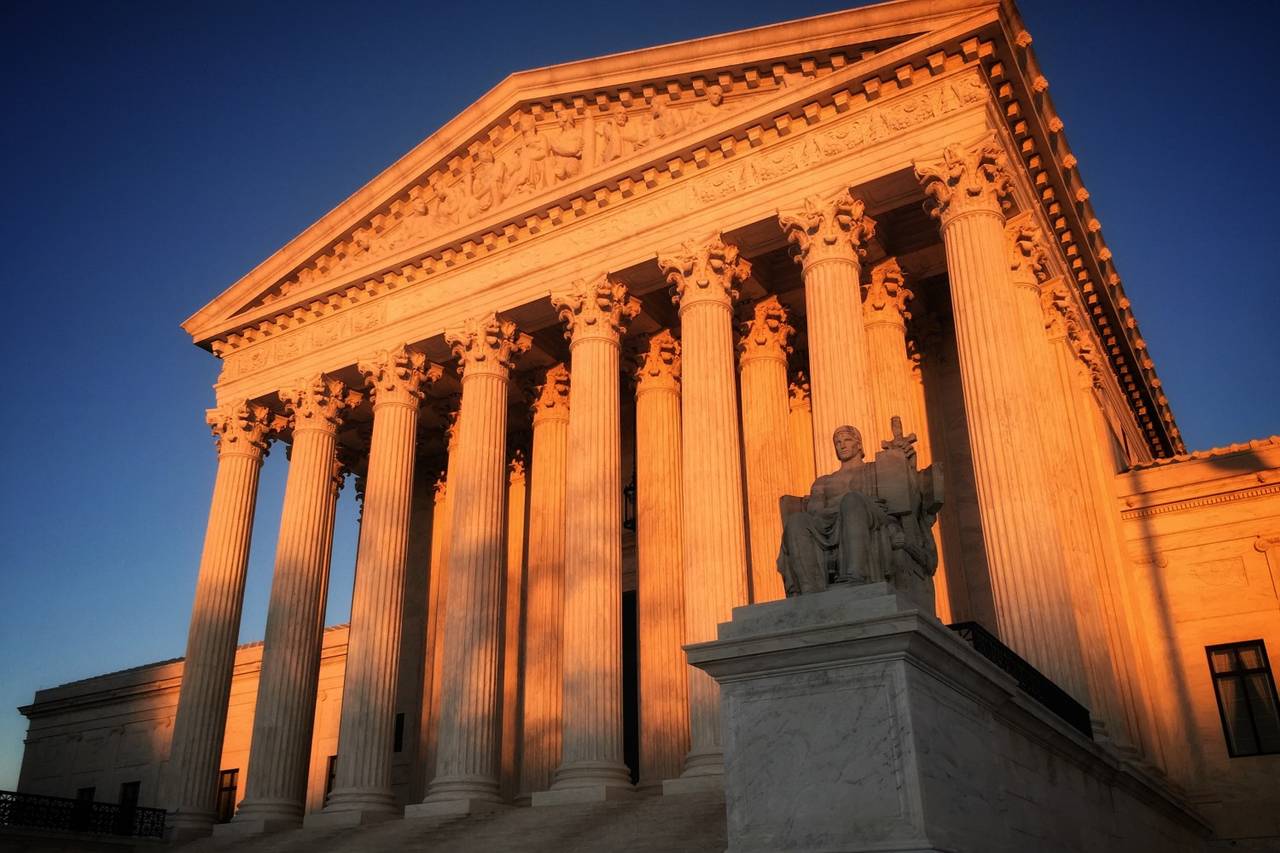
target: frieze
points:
(765, 163)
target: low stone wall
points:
(853, 722)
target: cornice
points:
(1206, 500)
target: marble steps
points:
(693, 823)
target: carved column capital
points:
(705, 273)
(516, 468)
(486, 344)
(767, 334)
(829, 229)
(1028, 260)
(597, 308)
(318, 403)
(798, 394)
(886, 295)
(969, 178)
(1060, 317)
(551, 400)
(658, 364)
(242, 428)
(398, 376)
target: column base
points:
(187, 826)
(347, 817)
(255, 826)
(596, 793)
(453, 807)
(354, 808)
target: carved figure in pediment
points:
(484, 182)
(447, 204)
(666, 122)
(566, 147)
(865, 522)
(709, 107)
(528, 171)
(617, 136)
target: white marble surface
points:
(855, 723)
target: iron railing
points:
(1030, 680)
(34, 811)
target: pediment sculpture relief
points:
(867, 521)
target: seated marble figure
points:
(865, 521)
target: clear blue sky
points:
(155, 152)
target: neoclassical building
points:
(573, 348)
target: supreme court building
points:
(572, 349)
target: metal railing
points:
(34, 811)
(1030, 680)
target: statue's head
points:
(848, 442)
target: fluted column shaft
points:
(280, 751)
(892, 388)
(830, 235)
(1018, 520)
(715, 551)
(362, 782)
(800, 432)
(664, 683)
(512, 637)
(467, 758)
(544, 628)
(763, 352)
(198, 729)
(594, 313)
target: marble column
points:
(513, 596)
(544, 620)
(664, 680)
(437, 597)
(800, 433)
(595, 313)
(762, 364)
(280, 752)
(885, 315)
(705, 277)
(362, 784)
(467, 768)
(831, 235)
(241, 431)
(966, 192)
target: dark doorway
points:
(630, 687)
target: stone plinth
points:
(853, 722)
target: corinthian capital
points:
(1060, 317)
(1028, 261)
(798, 396)
(596, 308)
(487, 345)
(398, 376)
(704, 273)
(829, 229)
(318, 403)
(887, 295)
(551, 401)
(767, 334)
(242, 428)
(658, 364)
(968, 178)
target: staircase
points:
(688, 823)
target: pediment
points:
(539, 142)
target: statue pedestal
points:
(854, 722)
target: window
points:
(227, 783)
(1246, 698)
(128, 808)
(129, 794)
(85, 795)
(399, 740)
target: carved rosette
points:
(1028, 260)
(398, 376)
(798, 394)
(705, 273)
(886, 295)
(242, 428)
(318, 403)
(969, 178)
(595, 309)
(658, 365)
(834, 229)
(551, 400)
(487, 345)
(767, 334)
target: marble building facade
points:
(573, 348)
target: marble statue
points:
(867, 521)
